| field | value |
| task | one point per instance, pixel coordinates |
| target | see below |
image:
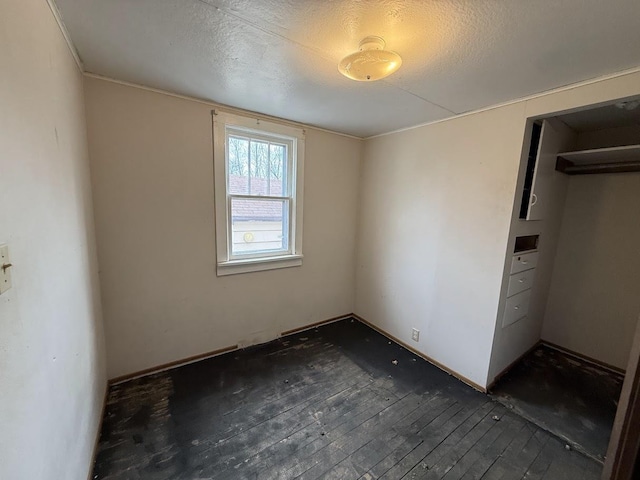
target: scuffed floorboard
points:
(574, 400)
(336, 402)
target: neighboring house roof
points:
(259, 209)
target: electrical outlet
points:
(415, 335)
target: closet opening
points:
(570, 302)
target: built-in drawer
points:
(519, 282)
(524, 262)
(516, 307)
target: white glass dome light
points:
(372, 62)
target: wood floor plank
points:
(517, 466)
(258, 438)
(381, 447)
(430, 439)
(374, 428)
(503, 463)
(376, 423)
(335, 402)
(325, 419)
(296, 465)
(475, 452)
(318, 424)
(570, 464)
(447, 449)
(345, 469)
(454, 448)
(412, 441)
(496, 449)
(578, 401)
(541, 464)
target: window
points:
(258, 194)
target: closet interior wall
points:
(593, 305)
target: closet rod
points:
(565, 166)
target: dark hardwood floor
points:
(327, 403)
(575, 400)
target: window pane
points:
(259, 225)
(277, 162)
(258, 184)
(238, 149)
(256, 167)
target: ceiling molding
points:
(227, 108)
(240, 111)
(65, 33)
(564, 88)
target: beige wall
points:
(435, 211)
(593, 304)
(52, 378)
(152, 173)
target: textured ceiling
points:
(280, 57)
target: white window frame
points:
(225, 124)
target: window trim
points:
(225, 123)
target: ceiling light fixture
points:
(372, 62)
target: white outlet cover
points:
(415, 335)
(5, 274)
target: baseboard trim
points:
(317, 324)
(505, 370)
(451, 372)
(566, 351)
(203, 356)
(583, 358)
(96, 441)
(171, 365)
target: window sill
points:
(233, 267)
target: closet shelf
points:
(600, 160)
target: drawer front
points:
(519, 282)
(516, 307)
(524, 262)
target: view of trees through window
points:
(250, 158)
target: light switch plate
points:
(5, 273)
